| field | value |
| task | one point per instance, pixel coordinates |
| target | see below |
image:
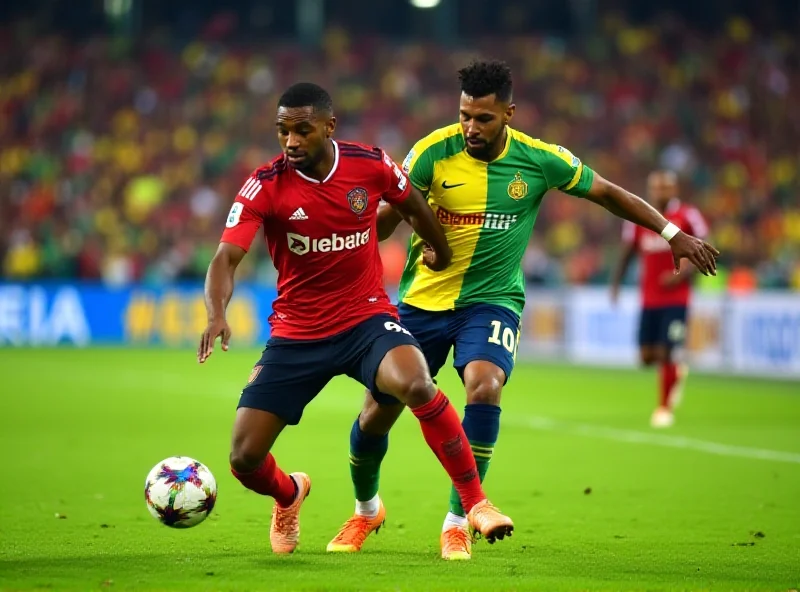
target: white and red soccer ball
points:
(180, 492)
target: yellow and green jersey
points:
(488, 211)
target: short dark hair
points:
(481, 79)
(306, 94)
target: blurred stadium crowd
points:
(119, 163)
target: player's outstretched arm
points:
(628, 206)
(218, 292)
(388, 220)
(419, 214)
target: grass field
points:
(601, 502)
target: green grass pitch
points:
(600, 501)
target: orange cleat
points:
(456, 544)
(486, 520)
(355, 531)
(284, 532)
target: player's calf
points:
(251, 461)
(243, 461)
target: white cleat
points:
(662, 418)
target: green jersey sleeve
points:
(565, 171)
(418, 165)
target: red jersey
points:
(656, 255)
(322, 237)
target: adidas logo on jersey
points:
(299, 214)
(300, 245)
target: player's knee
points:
(648, 357)
(484, 390)
(415, 391)
(244, 461)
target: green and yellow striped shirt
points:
(488, 211)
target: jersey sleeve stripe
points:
(246, 186)
(431, 142)
(575, 179)
(253, 190)
(566, 157)
(361, 155)
(250, 189)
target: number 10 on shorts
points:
(508, 339)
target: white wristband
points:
(669, 232)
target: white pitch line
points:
(636, 437)
(352, 405)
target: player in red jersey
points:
(665, 294)
(318, 204)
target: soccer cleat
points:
(456, 544)
(676, 394)
(662, 418)
(284, 531)
(486, 520)
(355, 531)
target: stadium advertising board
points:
(93, 314)
(758, 334)
(765, 333)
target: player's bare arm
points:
(622, 267)
(628, 206)
(388, 220)
(218, 292)
(420, 216)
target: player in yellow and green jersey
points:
(485, 181)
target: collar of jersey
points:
(499, 156)
(333, 168)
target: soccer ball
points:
(180, 492)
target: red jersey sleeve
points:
(697, 224)
(397, 188)
(247, 214)
(630, 235)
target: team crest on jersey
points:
(358, 200)
(518, 188)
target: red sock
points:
(445, 435)
(669, 376)
(268, 479)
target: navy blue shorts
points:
(477, 332)
(291, 372)
(665, 326)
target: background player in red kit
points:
(665, 294)
(318, 204)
